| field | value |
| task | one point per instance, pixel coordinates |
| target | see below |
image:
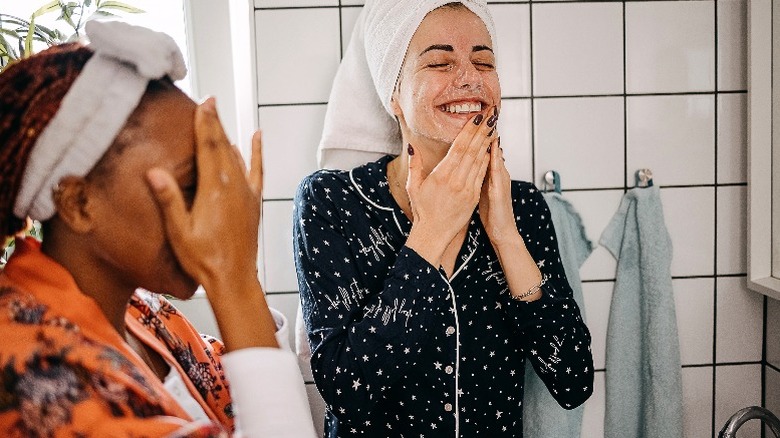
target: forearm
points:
(242, 314)
(520, 269)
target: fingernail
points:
(410, 149)
(478, 119)
(499, 142)
(488, 150)
(495, 112)
(491, 121)
(492, 131)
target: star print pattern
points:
(398, 349)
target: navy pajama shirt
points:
(399, 350)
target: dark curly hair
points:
(31, 91)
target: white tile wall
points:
(571, 132)
(691, 135)
(732, 230)
(772, 383)
(697, 409)
(670, 46)
(673, 136)
(738, 307)
(689, 216)
(737, 387)
(694, 308)
(732, 44)
(578, 48)
(732, 138)
(773, 333)
(513, 49)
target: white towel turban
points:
(95, 108)
(359, 121)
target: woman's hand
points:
(443, 201)
(216, 240)
(495, 201)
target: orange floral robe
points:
(65, 371)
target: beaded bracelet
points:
(531, 291)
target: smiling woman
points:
(428, 278)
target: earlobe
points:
(395, 106)
(71, 198)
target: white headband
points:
(95, 108)
(359, 116)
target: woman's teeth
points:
(463, 108)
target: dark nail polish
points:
(491, 121)
(478, 119)
(410, 149)
(495, 111)
(492, 131)
(488, 150)
(499, 142)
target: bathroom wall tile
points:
(693, 301)
(317, 405)
(515, 130)
(277, 247)
(352, 2)
(670, 46)
(297, 54)
(732, 138)
(697, 402)
(740, 322)
(578, 48)
(732, 230)
(291, 135)
(348, 18)
(513, 51)
(287, 304)
(294, 3)
(596, 209)
(673, 136)
(576, 132)
(732, 44)
(593, 415)
(773, 332)
(198, 311)
(737, 387)
(772, 402)
(689, 218)
(598, 298)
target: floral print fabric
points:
(65, 371)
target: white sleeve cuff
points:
(269, 398)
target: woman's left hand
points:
(495, 201)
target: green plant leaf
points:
(119, 6)
(48, 7)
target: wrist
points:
(427, 242)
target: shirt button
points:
(450, 330)
(448, 370)
(448, 407)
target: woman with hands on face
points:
(428, 278)
(138, 190)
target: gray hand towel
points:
(643, 376)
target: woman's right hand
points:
(442, 203)
(215, 241)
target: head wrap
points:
(359, 116)
(95, 108)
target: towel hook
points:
(644, 178)
(552, 179)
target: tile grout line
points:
(715, 226)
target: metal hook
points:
(552, 180)
(644, 178)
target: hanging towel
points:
(643, 376)
(543, 417)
